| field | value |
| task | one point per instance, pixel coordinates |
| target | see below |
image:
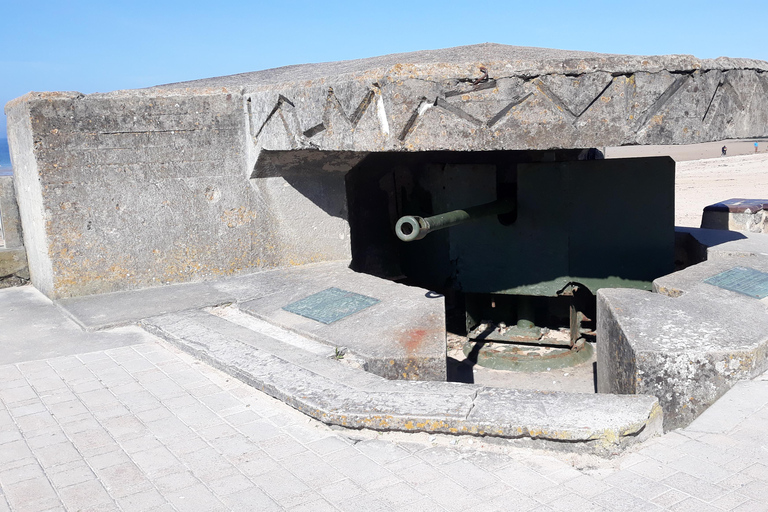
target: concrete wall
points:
(13, 259)
(9, 214)
(688, 343)
(305, 194)
(123, 191)
(187, 181)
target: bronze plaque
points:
(330, 305)
(747, 281)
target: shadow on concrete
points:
(691, 244)
(460, 371)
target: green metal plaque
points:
(747, 281)
(330, 305)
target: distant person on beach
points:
(755, 147)
(723, 151)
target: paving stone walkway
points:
(146, 427)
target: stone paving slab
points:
(346, 397)
(31, 327)
(148, 427)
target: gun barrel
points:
(412, 227)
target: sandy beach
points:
(703, 177)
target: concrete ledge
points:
(97, 312)
(337, 394)
(714, 244)
(400, 337)
(691, 341)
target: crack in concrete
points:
(472, 405)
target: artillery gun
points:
(412, 227)
(519, 242)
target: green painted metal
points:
(600, 223)
(412, 227)
(515, 333)
(521, 358)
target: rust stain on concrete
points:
(412, 339)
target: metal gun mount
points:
(412, 227)
(571, 224)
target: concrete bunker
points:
(572, 225)
(233, 176)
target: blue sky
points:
(98, 46)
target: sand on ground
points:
(703, 177)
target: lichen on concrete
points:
(688, 343)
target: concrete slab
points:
(400, 337)
(690, 280)
(95, 312)
(720, 243)
(602, 424)
(691, 341)
(34, 328)
(492, 96)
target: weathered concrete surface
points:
(14, 270)
(531, 98)
(33, 329)
(9, 214)
(337, 394)
(687, 344)
(13, 265)
(158, 194)
(133, 189)
(401, 337)
(737, 214)
(116, 309)
(714, 244)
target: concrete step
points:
(399, 334)
(694, 339)
(304, 374)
